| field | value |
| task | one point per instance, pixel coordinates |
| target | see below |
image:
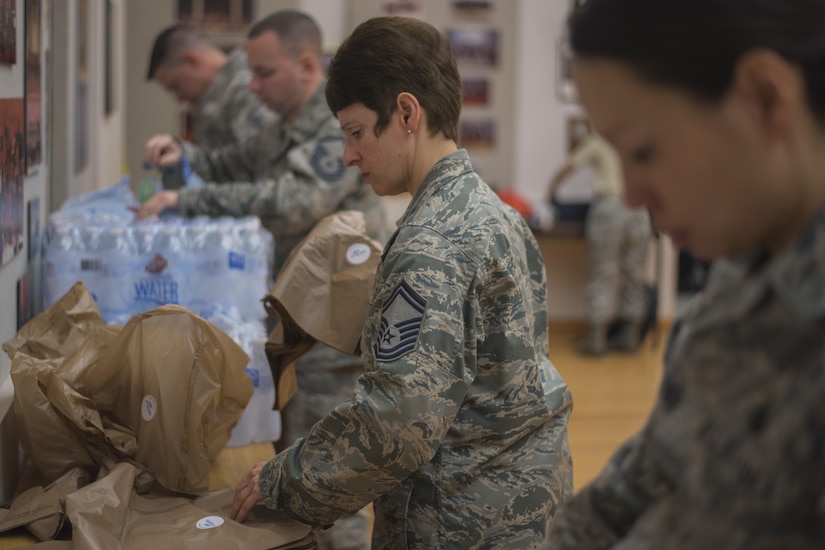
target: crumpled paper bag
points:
(164, 391)
(322, 294)
(109, 515)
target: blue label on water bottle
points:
(237, 260)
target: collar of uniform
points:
(796, 276)
(447, 169)
(311, 116)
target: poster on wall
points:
(476, 47)
(472, 9)
(475, 91)
(25, 298)
(8, 32)
(477, 135)
(12, 171)
(34, 101)
(33, 236)
(215, 14)
(401, 8)
(82, 102)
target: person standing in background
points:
(457, 431)
(617, 245)
(212, 83)
(717, 110)
(295, 176)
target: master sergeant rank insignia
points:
(400, 323)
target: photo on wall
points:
(401, 8)
(474, 47)
(82, 99)
(33, 238)
(475, 91)
(25, 298)
(477, 134)
(34, 100)
(8, 32)
(12, 171)
(472, 9)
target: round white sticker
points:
(148, 408)
(358, 254)
(209, 522)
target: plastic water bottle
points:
(163, 268)
(91, 260)
(61, 259)
(252, 262)
(258, 423)
(211, 283)
(119, 250)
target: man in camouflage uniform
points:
(617, 247)
(216, 85)
(458, 430)
(290, 175)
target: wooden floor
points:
(612, 396)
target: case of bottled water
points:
(220, 268)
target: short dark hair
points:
(694, 45)
(297, 31)
(386, 56)
(170, 44)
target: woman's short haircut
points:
(387, 56)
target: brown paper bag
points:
(178, 382)
(322, 294)
(42, 510)
(164, 390)
(109, 515)
(38, 353)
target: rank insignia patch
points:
(400, 323)
(327, 158)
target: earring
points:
(409, 131)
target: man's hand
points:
(247, 493)
(164, 200)
(162, 150)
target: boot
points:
(628, 338)
(595, 343)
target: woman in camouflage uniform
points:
(458, 429)
(717, 109)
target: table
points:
(227, 469)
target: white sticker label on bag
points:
(358, 254)
(209, 522)
(148, 408)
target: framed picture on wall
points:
(475, 91)
(25, 298)
(12, 171)
(472, 9)
(34, 99)
(216, 14)
(33, 236)
(82, 99)
(108, 57)
(475, 47)
(8, 32)
(402, 8)
(477, 134)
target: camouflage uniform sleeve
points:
(247, 115)
(235, 162)
(403, 406)
(313, 183)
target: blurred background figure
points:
(214, 85)
(617, 246)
